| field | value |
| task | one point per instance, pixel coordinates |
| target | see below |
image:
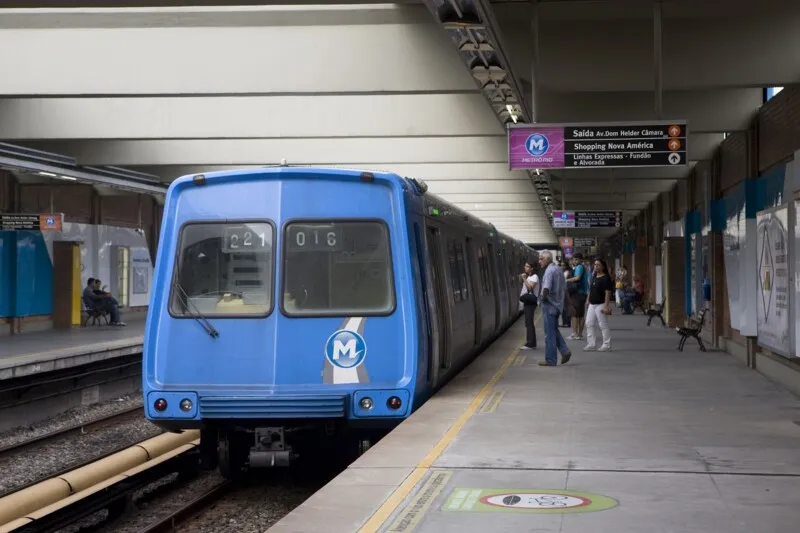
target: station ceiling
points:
(596, 62)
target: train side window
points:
(483, 269)
(337, 268)
(455, 277)
(463, 275)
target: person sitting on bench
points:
(102, 301)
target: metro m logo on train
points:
(346, 349)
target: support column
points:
(658, 61)
(535, 61)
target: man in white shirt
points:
(530, 284)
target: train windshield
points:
(337, 269)
(224, 269)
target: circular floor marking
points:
(536, 500)
(547, 501)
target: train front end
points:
(282, 311)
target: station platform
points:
(641, 439)
(33, 353)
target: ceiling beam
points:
(588, 185)
(290, 50)
(243, 117)
(376, 152)
(607, 198)
(699, 53)
(709, 111)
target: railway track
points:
(61, 500)
(179, 517)
(33, 398)
(83, 427)
(7, 452)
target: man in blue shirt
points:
(552, 301)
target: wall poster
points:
(772, 294)
(732, 249)
(796, 274)
(693, 254)
(705, 267)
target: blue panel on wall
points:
(692, 223)
(7, 269)
(34, 283)
(753, 199)
(717, 216)
(770, 189)
(690, 227)
(735, 200)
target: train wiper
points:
(197, 315)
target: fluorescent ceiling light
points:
(511, 112)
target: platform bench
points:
(693, 330)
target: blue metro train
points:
(290, 300)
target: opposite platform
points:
(641, 439)
(27, 354)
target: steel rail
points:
(189, 510)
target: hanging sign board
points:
(28, 222)
(613, 145)
(587, 219)
(585, 242)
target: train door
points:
(429, 307)
(438, 280)
(474, 288)
(502, 276)
(495, 286)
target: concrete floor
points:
(644, 439)
(44, 351)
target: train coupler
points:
(270, 449)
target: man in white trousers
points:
(598, 303)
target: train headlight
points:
(394, 403)
(366, 403)
(186, 405)
(160, 405)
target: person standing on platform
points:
(529, 297)
(578, 287)
(552, 298)
(599, 308)
(567, 310)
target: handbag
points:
(529, 299)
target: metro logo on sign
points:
(563, 219)
(537, 145)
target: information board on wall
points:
(586, 219)
(31, 222)
(591, 145)
(772, 296)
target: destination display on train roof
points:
(614, 145)
(586, 219)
